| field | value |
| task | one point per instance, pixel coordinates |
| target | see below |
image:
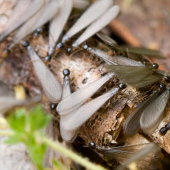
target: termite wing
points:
(78, 117)
(81, 4)
(90, 15)
(136, 76)
(50, 84)
(127, 153)
(24, 10)
(112, 60)
(58, 23)
(141, 156)
(133, 50)
(45, 14)
(153, 113)
(76, 99)
(132, 124)
(67, 135)
(98, 24)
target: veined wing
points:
(90, 15)
(98, 24)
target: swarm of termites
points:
(97, 95)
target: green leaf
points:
(38, 119)
(16, 138)
(17, 120)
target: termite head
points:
(59, 45)
(155, 65)
(92, 145)
(52, 106)
(68, 51)
(47, 58)
(122, 85)
(5, 53)
(25, 44)
(66, 72)
(85, 47)
(162, 86)
(167, 78)
(163, 130)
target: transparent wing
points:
(130, 74)
(19, 10)
(114, 60)
(153, 113)
(45, 14)
(131, 124)
(98, 24)
(143, 155)
(58, 23)
(77, 118)
(31, 10)
(106, 39)
(143, 51)
(81, 4)
(91, 14)
(50, 84)
(76, 99)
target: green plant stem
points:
(65, 151)
(72, 155)
(6, 133)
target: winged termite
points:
(123, 153)
(153, 113)
(46, 13)
(112, 60)
(24, 10)
(58, 23)
(150, 148)
(50, 84)
(98, 24)
(131, 125)
(78, 117)
(134, 75)
(90, 15)
(76, 99)
(66, 135)
(81, 4)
